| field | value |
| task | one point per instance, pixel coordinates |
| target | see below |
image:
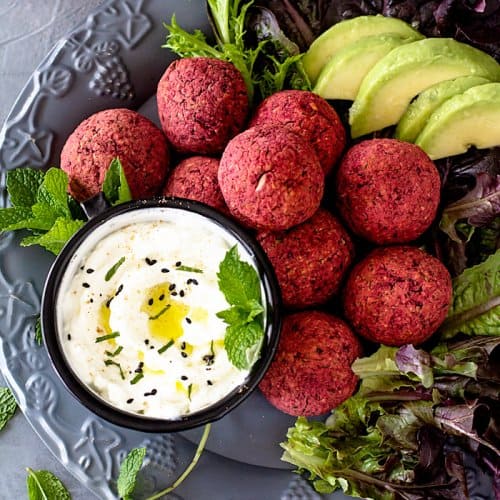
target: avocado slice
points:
(342, 34)
(390, 85)
(471, 118)
(344, 72)
(418, 112)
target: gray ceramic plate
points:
(114, 59)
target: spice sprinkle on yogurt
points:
(137, 314)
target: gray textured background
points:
(28, 29)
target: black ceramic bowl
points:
(94, 402)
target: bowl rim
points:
(113, 414)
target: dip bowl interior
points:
(57, 296)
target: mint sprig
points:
(240, 284)
(7, 406)
(41, 204)
(43, 485)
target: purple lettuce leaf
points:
(478, 207)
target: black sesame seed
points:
(119, 289)
(150, 262)
(183, 345)
(209, 382)
(91, 301)
(194, 282)
(85, 285)
(178, 263)
(184, 354)
(189, 281)
(165, 270)
(152, 347)
(69, 336)
(174, 294)
(150, 302)
(141, 364)
(188, 321)
(90, 270)
(146, 341)
(181, 293)
(131, 400)
(161, 297)
(209, 359)
(183, 377)
(171, 287)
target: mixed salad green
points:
(399, 436)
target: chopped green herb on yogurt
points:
(112, 270)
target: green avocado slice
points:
(342, 34)
(471, 118)
(418, 112)
(343, 73)
(406, 71)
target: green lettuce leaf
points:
(475, 308)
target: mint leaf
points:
(475, 308)
(115, 186)
(43, 485)
(53, 192)
(22, 185)
(11, 217)
(129, 469)
(238, 280)
(242, 343)
(241, 315)
(56, 237)
(7, 406)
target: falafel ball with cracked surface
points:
(123, 133)
(270, 178)
(195, 178)
(311, 372)
(308, 115)
(397, 295)
(202, 104)
(387, 190)
(310, 260)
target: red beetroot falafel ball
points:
(270, 178)
(310, 260)
(311, 372)
(195, 178)
(202, 104)
(388, 190)
(123, 133)
(397, 295)
(309, 116)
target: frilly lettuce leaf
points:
(475, 308)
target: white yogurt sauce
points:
(163, 350)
